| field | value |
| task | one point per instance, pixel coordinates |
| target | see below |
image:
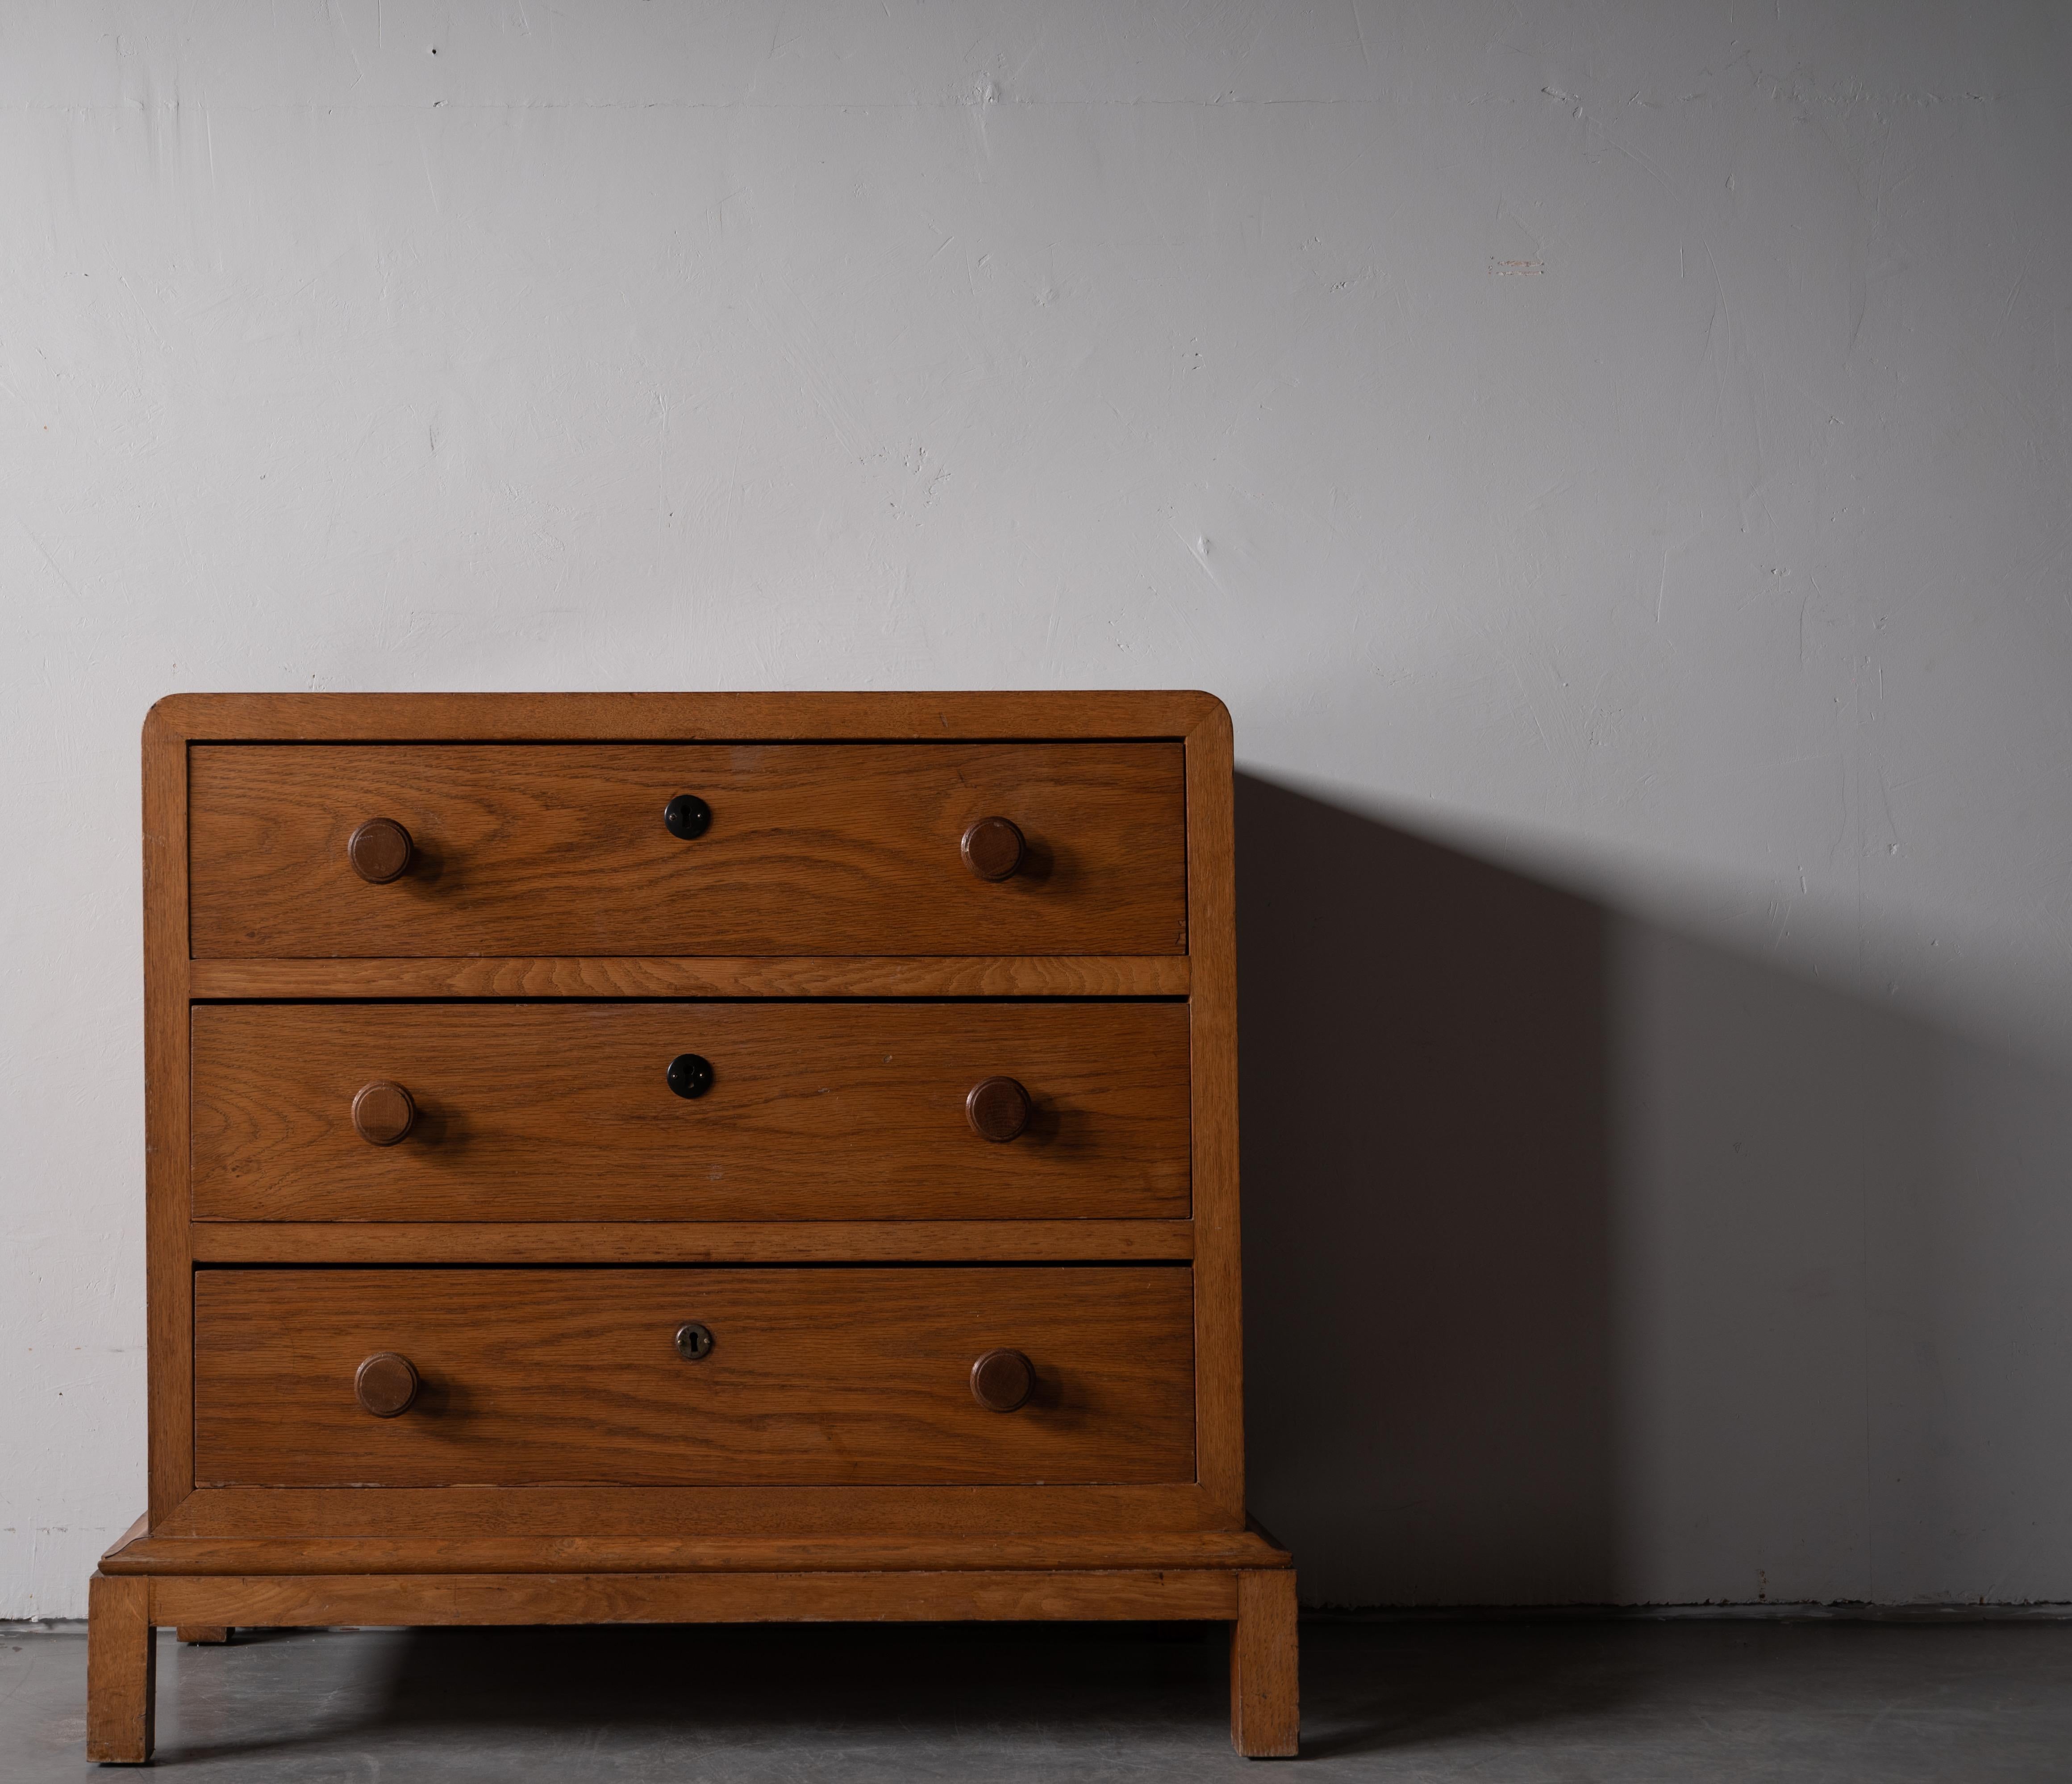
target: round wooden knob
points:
(998, 1108)
(382, 1112)
(378, 851)
(1002, 1380)
(385, 1385)
(993, 848)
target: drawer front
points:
(563, 850)
(566, 1111)
(828, 1376)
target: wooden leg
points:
(122, 1670)
(202, 1634)
(1265, 1720)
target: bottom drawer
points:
(834, 1375)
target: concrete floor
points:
(1598, 1700)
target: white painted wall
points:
(1612, 458)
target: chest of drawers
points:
(690, 1158)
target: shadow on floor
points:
(834, 1687)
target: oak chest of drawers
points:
(690, 1158)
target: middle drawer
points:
(799, 1111)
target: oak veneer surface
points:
(817, 1376)
(168, 1276)
(561, 850)
(691, 1241)
(563, 1112)
(439, 1513)
(121, 1667)
(709, 975)
(1212, 1018)
(961, 716)
(1265, 1710)
(937, 1553)
(406, 1601)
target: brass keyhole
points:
(694, 1342)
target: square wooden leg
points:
(1265, 1717)
(201, 1635)
(122, 1670)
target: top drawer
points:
(809, 849)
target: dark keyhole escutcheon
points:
(690, 1075)
(687, 816)
(694, 1342)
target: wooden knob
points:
(998, 1108)
(378, 851)
(385, 1385)
(382, 1112)
(993, 848)
(1002, 1380)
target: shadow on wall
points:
(1587, 1262)
(1427, 1220)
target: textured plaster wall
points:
(1612, 458)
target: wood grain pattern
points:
(692, 1242)
(560, 1111)
(814, 849)
(1212, 1015)
(582, 718)
(201, 1635)
(168, 1292)
(819, 1376)
(920, 975)
(122, 1670)
(420, 1600)
(443, 1513)
(1265, 1708)
(933, 1554)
